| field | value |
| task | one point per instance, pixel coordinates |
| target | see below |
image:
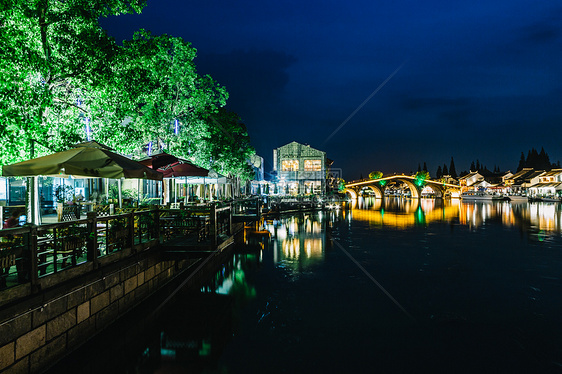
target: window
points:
(290, 165)
(313, 165)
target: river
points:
(393, 286)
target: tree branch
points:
(69, 104)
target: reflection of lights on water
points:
(313, 247)
(291, 248)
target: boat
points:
(479, 196)
(550, 199)
(517, 198)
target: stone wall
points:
(42, 332)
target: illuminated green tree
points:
(64, 80)
(157, 95)
(341, 185)
(375, 175)
(225, 147)
(53, 54)
(421, 177)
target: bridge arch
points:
(438, 189)
(379, 192)
(414, 189)
(351, 193)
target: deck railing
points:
(30, 253)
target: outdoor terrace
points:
(36, 257)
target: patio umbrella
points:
(88, 159)
(172, 166)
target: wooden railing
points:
(30, 253)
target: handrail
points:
(32, 252)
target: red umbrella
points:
(172, 166)
(183, 169)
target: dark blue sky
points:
(476, 80)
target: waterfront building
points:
(519, 182)
(300, 169)
(471, 181)
(508, 174)
(549, 184)
(483, 180)
(449, 179)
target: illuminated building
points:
(549, 184)
(469, 180)
(300, 169)
(523, 179)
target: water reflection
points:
(231, 278)
(299, 242)
(402, 213)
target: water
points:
(396, 286)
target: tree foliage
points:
(52, 53)
(341, 184)
(375, 175)
(156, 84)
(67, 81)
(421, 177)
(227, 145)
(536, 160)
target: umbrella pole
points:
(32, 211)
(107, 189)
(120, 193)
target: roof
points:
(471, 174)
(534, 174)
(521, 174)
(295, 149)
(547, 184)
(552, 173)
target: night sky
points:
(468, 79)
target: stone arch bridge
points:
(415, 185)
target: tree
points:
(445, 170)
(419, 167)
(53, 53)
(375, 175)
(472, 166)
(544, 160)
(421, 177)
(536, 160)
(67, 81)
(424, 166)
(521, 162)
(227, 147)
(341, 185)
(452, 170)
(158, 97)
(439, 172)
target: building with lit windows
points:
(300, 169)
(549, 184)
(523, 179)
